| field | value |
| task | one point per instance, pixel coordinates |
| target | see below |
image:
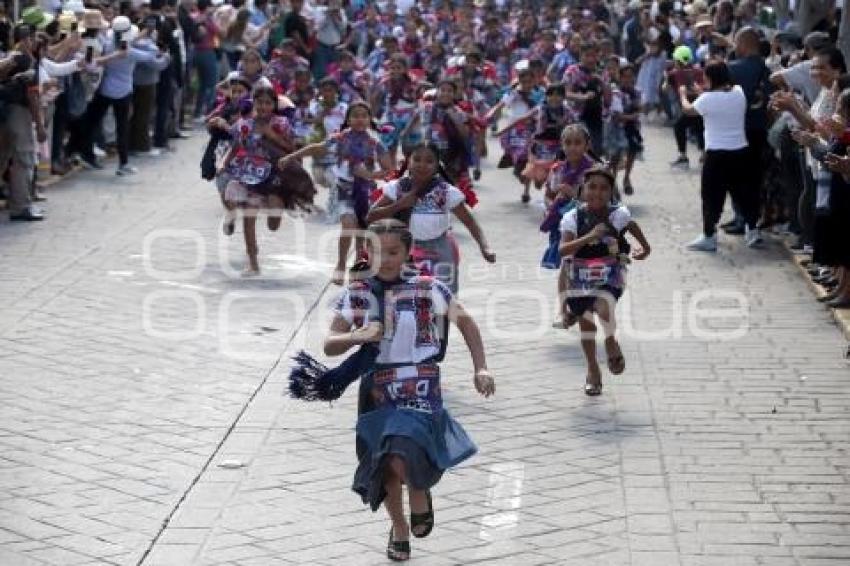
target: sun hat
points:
(93, 19)
(66, 21)
(703, 22)
(682, 54)
(35, 16)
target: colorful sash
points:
(415, 388)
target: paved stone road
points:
(134, 362)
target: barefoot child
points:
(405, 437)
(357, 151)
(593, 237)
(425, 196)
(258, 141)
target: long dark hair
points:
(435, 151)
(358, 104)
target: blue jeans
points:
(207, 65)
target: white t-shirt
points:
(619, 219)
(723, 114)
(331, 122)
(515, 104)
(409, 339)
(431, 215)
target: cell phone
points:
(89, 54)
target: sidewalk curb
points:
(841, 316)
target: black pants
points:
(95, 113)
(725, 171)
(164, 92)
(757, 142)
(680, 129)
(60, 124)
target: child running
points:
(550, 119)
(405, 437)
(357, 152)
(519, 101)
(235, 102)
(258, 141)
(593, 237)
(327, 114)
(562, 195)
(427, 199)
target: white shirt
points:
(406, 339)
(619, 219)
(331, 122)
(515, 104)
(723, 114)
(431, 215)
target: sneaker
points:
(125, 170)
(752, 238)
(704, 244)
(681, 163)
(90, 164)
(179, 135)
(153, 152)
(98, 152)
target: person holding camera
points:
(146, 79)
(116, 89)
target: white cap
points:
(75, 6)
(121, 24)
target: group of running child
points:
(394, 147)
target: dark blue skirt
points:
(429, 444)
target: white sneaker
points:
(125, 170)
(154, 152)
(98, 152)
(704, 244)
(752, 238)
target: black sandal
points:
(423, 520)
(593, 389)
(398, 550)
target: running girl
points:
(237, 101)
(593, 238)
(405, 437)
(396, 100)
(550, 119)
(259, 140)
(447, 127)
(357, 152)
(519, 101)
(426, 198)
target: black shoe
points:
(27, 215)
(628, 189)
(734, 230)
(90, 163)
(476, 174)
(525, 199)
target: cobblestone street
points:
(144, 421)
